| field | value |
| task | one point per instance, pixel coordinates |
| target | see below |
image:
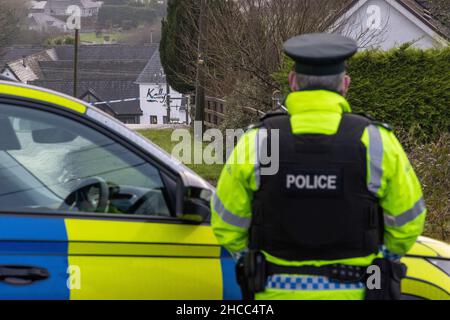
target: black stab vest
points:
(318, 206)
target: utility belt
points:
(253, 270)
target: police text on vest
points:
(311, 182)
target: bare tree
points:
(242, 47)
(244, 40)
(11, 13)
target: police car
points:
(92, 210)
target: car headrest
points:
(8, 138)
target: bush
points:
(408, 88)
(432, 164)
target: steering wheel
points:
(81, 199)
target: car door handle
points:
(22, 275)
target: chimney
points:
(24, 61)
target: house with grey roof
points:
(115, 97)
(42, 22)
(15, 52)
(385, 24)
(124, 62)
(88, 8)
(160, 104)
(92, 69)
(111, 77)
(26, 68)
(107, 52)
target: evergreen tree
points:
(179, 63)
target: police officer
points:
(344, 195)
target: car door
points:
(85, 215)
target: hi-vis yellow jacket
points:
(390, 177)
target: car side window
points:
(52, 163)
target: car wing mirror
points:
(193, 202)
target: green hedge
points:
(408, 88)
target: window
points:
(129, 119)
(165, 120)
(153, 120)
(52, 163)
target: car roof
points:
(55, 99)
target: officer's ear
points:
(346, 84)
(293, 83)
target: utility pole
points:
(200, 81)
(75, 62)
(188, 103)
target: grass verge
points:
(163, 139)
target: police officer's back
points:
(344, 193)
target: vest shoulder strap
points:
(385, 125)
(265, 120)
(274, 114)
(352, 127)
(255, 125)
(277, 120)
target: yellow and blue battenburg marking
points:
(39, 243)
(115, 260)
